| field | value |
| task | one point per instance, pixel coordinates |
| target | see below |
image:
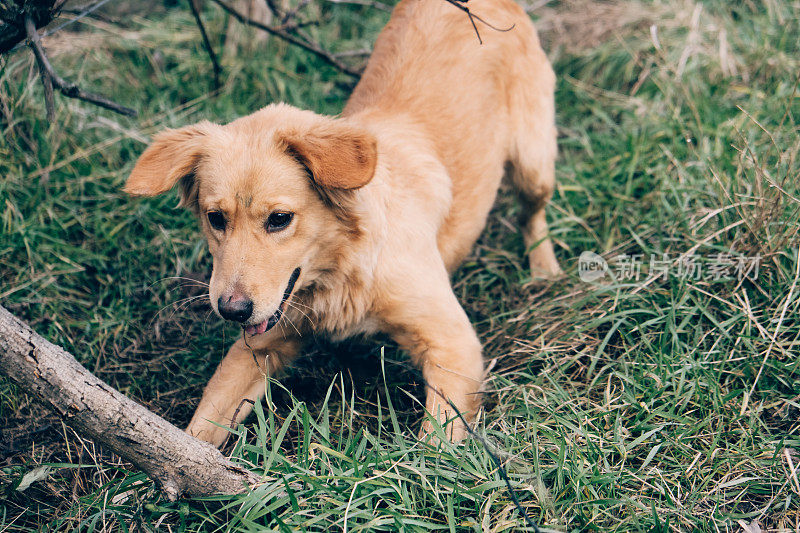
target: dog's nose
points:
(235, 309)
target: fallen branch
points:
(181, 464)
(51, 79)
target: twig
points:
(47, 84)
(51, 79)
(236, 412)
(502, 471)
(207, 44)
(792, 469)
(461, 4)
(276, 10)
(369, 3)
(293, 13)
(280, 32)
(299, 25)
(233, 419)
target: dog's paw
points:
(544, 269)
(206, 431)
(543, 263)
(454, 430)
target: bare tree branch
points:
(47, 84)
(207, 43)
(282, 33)
(51, 79)
(181, 464)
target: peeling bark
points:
(181, 464)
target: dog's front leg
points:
(433, 327)
(238, 381)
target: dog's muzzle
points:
(268, 324)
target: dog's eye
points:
(217, 220)
(278, 221)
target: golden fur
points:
(387, 199)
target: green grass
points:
(662, 404)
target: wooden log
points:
(181, 464)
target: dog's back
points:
(429, 58)
(479, 105)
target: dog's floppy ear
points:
(338, 155)
(171, 157)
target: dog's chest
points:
(341, 310)
(368, 326)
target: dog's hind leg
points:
(532, 154)
(534, 193)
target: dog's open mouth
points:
(267, 324)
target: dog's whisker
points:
(208, 315)
(186, 302)
(292, 324)
(179, 305)
(298, 302)
(310, 321)
(184, 305)
(192, 299)
(289, 320)
(291, 305)
(283, 329)
(171, 304)
(172, 278)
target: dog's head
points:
(271, 191)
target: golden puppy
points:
(350, 225)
